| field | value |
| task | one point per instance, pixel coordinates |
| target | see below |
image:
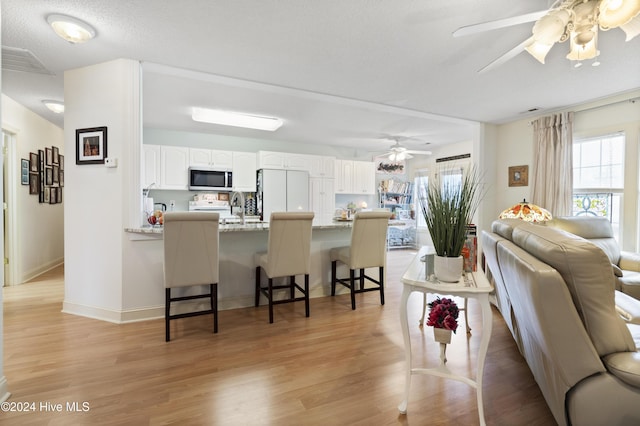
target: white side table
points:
(477, 287)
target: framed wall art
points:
(519, 176)
(34, 183)
(33, 162)
(91, 145)
(24, 171)
(49, 156)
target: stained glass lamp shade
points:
(526, 211)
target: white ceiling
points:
(338, 72)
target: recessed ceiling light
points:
(71, 29)
(236, 119)
(55, 106)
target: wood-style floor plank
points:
(338, 367)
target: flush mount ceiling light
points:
(55, 106)
(579, 21)
(71, 29)
(236, 119)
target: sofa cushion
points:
(505, 227)
(625, 366)
(596, 229)
(587, 272)
(629, 283)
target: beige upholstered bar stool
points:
(191, 259)
(288, 255)
(367, 250)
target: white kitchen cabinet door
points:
(271, 160)
(174, 167)
(343, 176)
(321, 166)
(364, 177)
(150, 165)
(322, 200)
(210, 158)
(297, 162)
(244, 171)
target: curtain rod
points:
(631, 100)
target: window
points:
(420, 184)
(598, 177)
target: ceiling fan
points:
(575, 20)
(398, 152)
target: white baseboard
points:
(156, 312)
(34, 273)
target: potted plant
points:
(448, 207)
(443, 317)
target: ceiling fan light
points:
(615, 13)
(71, 29)
(579, 52)
(539, 50)
(236, 119)
(550, 28)
(631, 28)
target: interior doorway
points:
(9, 182)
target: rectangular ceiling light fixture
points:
(229, 118)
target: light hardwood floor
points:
(338, 367)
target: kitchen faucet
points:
(234, 197)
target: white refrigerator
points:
(282, 191)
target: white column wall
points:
(97, 205)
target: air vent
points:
(22, 60)
(534, 109)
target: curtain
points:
(553, 163)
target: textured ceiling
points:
(338, 72)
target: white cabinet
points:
(283, 161)
(322, 200)
(355, 177)
(210, 158)
(244, 171)
(343, 176)
(321, 166)
(364, 177)
(150, 169)
(174, 167)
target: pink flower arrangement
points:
(443, 313)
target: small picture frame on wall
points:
(24, 171)
(48, 176)
(56, 155)
(47, 195)
(91, 145)
(519, 176)
(49, 156)
(53, 195)
(34, 183)
(33, 161)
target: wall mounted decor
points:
(91, 145)
(34, 183)
(386, 166)
(519, 176)
(33, 162)
(24, 171)
(49, 156)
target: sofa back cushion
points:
(586, 271)
(596, 229)
(505, 227)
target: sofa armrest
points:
(625, 366)
(628, 307)
(629, 261)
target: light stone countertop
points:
(262, 226)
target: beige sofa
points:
(626, 265)
(557, 294)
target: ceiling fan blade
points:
(412, 151)
(500, 23)
(507, 56)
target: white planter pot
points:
(442, 335)
(448, 269)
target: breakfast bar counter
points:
(144, 284)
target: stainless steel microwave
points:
(210, 179)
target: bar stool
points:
(367, 250)
(287, 255)
(191, 259)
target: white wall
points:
(514, 147)
(39, 230)
(100, 200)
